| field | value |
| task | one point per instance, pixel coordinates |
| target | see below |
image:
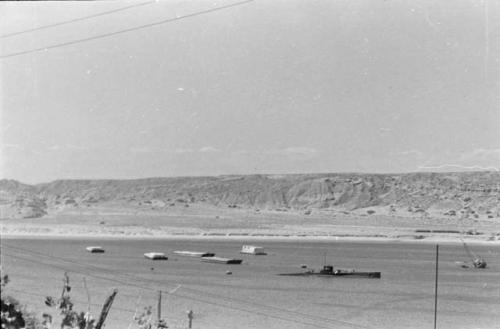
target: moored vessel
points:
(95, 249)
(329, 271)
(155, 256)
(194, 253)
(221, 260)
(253, 250)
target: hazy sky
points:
(263, 87)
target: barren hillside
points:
(470, 195)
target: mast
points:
(477, 261)
(468, 251)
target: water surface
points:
(254, 296)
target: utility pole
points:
(66, 286)
(159, 308)
(105, 309)
(190, 317)
(160, 323)
(436, 288)
(88, 294)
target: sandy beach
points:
(215, 224)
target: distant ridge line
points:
(272, 175)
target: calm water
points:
(254, 296)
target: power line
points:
(70, 270)
(169, 20)
(74, 300)
(8, 35)
(192, 290)
(85, 267)
(8, 289)
(209, 295)
(179, 295)
(54, 279)
(127, 310)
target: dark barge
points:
(221, 260)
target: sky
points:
(174, 88)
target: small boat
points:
(221, 260)
(329, 271)
(193, 253)
(476, 261)
(155, 256)
(253, 250)
(479, 262)
(95, 249)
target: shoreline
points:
(431, 239)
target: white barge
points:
(155, 256)
(95, 249)
(253, 250)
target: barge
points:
(253, 250)
(155, 256)
(194, 253)
(329, 271)
(95, 249)
(221, 260)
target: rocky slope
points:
(471, 194)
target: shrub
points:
(70, 318)
(13, 314)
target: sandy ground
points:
(216, 223)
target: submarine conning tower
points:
(327, 269)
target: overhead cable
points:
(8, 35)
(123, 276)
(168, 20)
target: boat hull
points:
(338, 273)
(95, 250)
(253, 250)
(155, 256)
(220, 260)
(196, 254)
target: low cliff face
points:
(450, 194)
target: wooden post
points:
(105, 309)
(160, 323)
(88, 294)
(65, 285)
(436, 287)
(158, 319)
(190, 317)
